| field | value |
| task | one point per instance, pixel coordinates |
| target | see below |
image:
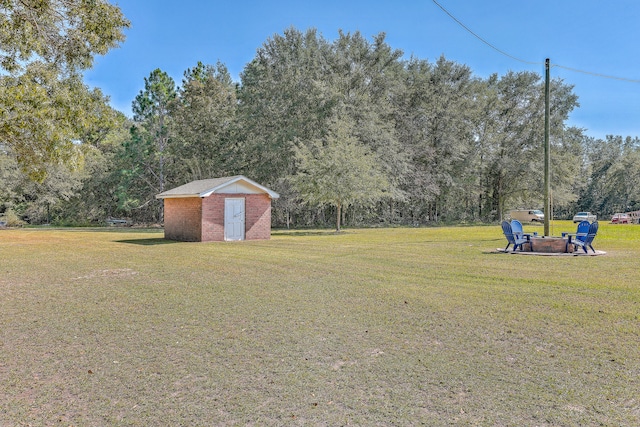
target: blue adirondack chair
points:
(580, 234)
(584, 239)
(514, 234)
(519, 233)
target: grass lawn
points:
(376, 327)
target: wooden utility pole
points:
(547, 153)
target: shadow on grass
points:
(307, 233)
(148, 242)
(93, 229)
(495, 252)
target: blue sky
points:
(601, 37)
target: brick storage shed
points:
(228, 208)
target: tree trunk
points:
(338, 216)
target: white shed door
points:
(233, 219)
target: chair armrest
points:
(573, 234)
(522, 236)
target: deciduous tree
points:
(285, 98)
(44, 47)
(339, 171)
(436, 129)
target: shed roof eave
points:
(176, 196)
(272, 194)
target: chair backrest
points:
(591, 234)
(583, 230)
(508, 232)
(516, 228)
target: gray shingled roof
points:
(205, 187)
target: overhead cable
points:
(624, 79)
(530, 62)
(483, 40)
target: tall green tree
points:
(43, 199)
(101, 177)
(365, 79)
(339, 171)
(611, 176)
(435, 126)
(147, 150)
(516, 139)
(64, 33)
(66, 195)
(151, 110)
(567, 171)
(514, 161)
(45, 116)
(44, 47)
(203, 123)
(284, 99)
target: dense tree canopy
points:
(44, 47)
(64, 33)
(347, 131)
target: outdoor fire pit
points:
(549, 244)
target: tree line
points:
(347, 131)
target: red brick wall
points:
(257, 216)
(182, 219)
(213, 218)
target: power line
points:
(483, 40)
(530, 62)
(575, 70)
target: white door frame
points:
(234, 218)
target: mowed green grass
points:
(375, 327)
